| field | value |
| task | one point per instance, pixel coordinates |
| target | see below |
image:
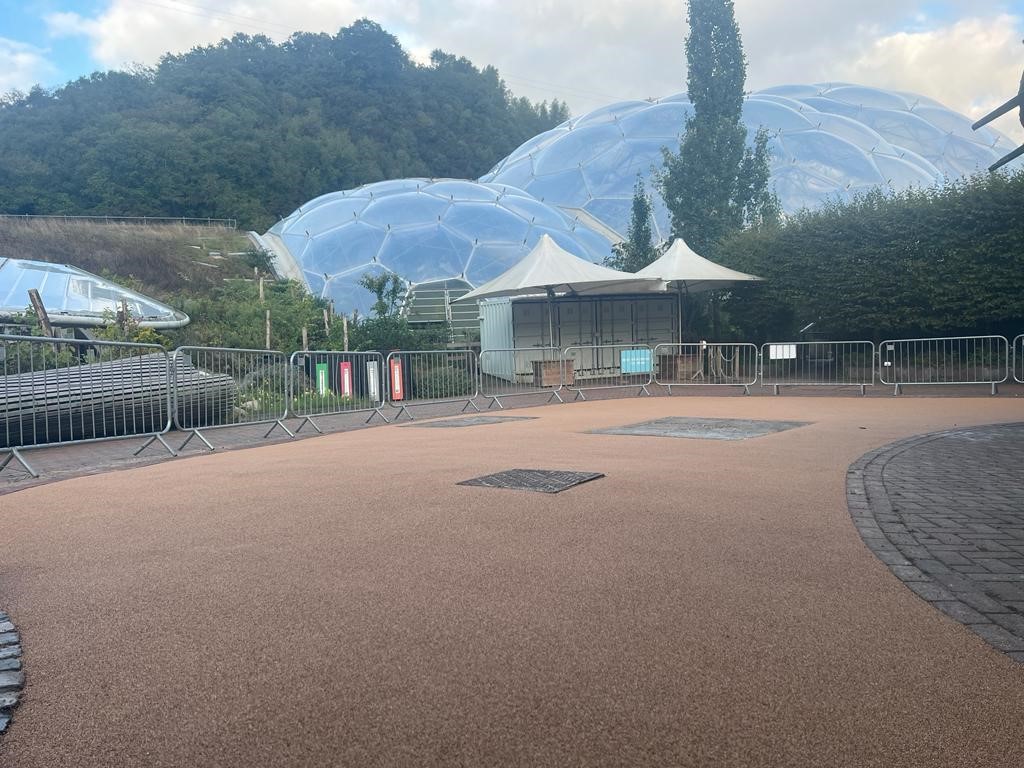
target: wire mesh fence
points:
(818, 363)
(511, 372)
(949, 360)
(326, 383)
(58, 391)
(705, 364)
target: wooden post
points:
(40, 310)
(261, 290)
(344, 331)
(305, 339)
(327, 322)
(268, 330)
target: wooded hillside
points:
(249, 129)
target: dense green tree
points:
(715, 183)
(638, 250)
(249, 129)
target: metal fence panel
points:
(1018, 359)
(818, 364)
(60, 391)
(607, 366)
(949, 360)
(704, 364)
(529, 371)
(220, 387)
(422, 377)
(328, 383)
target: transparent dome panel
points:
(566, 189)
(397, 210)
(343, 248)
(665, 121)
(610, 172)
(421, 253)
(852, 131)
(775, 117)
(534, 211)
(348, 295)
(315, 283)
(833, 107)
(803, 190)
(873, 98)
(453, 189)
(907, 130)
(576, 146)
(327, 215)
(609, 114)
(830, 157)
(492, 259)
(902, 174)
(486, 222)
(536, 144)
(596, 246)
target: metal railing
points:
(950, 360)
(422, 377)
(326, 383)
(221, 387)
(60, 391)
(607, 366)
(706, 364)
(818, 364)
(512, 372)
(1018, 359)
(225, 223)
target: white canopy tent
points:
(691, 273)
(550, 269)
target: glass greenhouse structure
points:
(74, 297)
(828, 142)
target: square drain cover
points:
(705, 429)
(469, 421)
(543, 480)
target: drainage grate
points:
(543, 480)
(705, 429)
(470, 421)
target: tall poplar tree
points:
(715, 184)
(638, 250)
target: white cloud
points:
(600, 51)
(22, 65)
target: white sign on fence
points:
(782, 351)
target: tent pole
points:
(551, 312)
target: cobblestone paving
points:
(945, 512)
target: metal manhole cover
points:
(470, 421)
(543, 480)
(704, 429)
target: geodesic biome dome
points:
(441, 235)
(828, 142)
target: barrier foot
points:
(863, 390)
(275, 425)
(746, 389)
(897, 391)
(471, 403)
(995, 388)
(195, 433)
(643, 391)
(579, 395)
(403, 409)
(776, 388)
(13, 454)
(669, 388)
(307, 420)
(377, 412)
(153, 439)
(496, 402)
(556, 396)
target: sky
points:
(967, 54)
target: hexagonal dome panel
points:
(423, 230)
(828, 142)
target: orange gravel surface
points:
(340, 601)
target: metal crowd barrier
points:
(60, 391)
(424, 377)
(512, 372)
(818, 364)
(607, 366)
(1018, 359)
(706, 364)
(951, 360)
(222, 387)
(325, 383)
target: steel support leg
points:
(13, 453)
(154, 439)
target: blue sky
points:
(967, 54)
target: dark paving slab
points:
(703, 429)
(468, 421)
(945, 512)
(543, 480)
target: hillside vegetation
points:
(249, 129)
